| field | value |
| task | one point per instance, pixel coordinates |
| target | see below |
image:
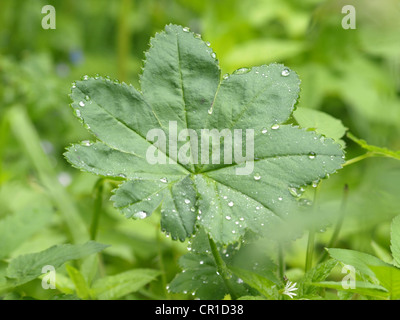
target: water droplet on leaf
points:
(140, 215)
(241, 71)
(285, 72)
(275, 127)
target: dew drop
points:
(213, 55)
(257, 177)
(280, 198)
(230, 203)
(225, 76)
(210, 111)
(201, 262)
(187, 201)
(121, 175)
(285, 72)
(315, 183)
(140, 215)
(208, 43)
(164, 180)
(311, 155)
(85, 77)
(275, 127)
(228, 218)
(186, 29)
(86, 143)
(264, 131)
(241, 71)
(295, 192)
(81, 104)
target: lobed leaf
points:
(181, 90)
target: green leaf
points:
(118, 286)
(385, 152)
(181, 90)
(363, 288)
(265, 286)
(200, 276)
(29, 266)
(359, 260)
(321, 122)
(81, 287)
(389, 277)
(395, 239)
(317, 274)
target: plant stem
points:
(222, 268)
(123, 39)
(281, 262)
(97, 207)
(311, 238)
(339, 223)
(310, 249)
(359, 158)
(26, 134)
(161, 263)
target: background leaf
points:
(28, 267)
(118, 286)
(395, 239)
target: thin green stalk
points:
(359, 158)
(28, 137)
(311, 238)
(4, 133)
(161, 263)
(222, 268)
(123, 39)
(339, 223)
(281, 262)
(310, 249)
(97, 208)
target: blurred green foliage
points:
(353, 75)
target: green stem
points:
(310, 249)
(281, 262)
(222, 268)
(359, 158)
(123, 39)
(161, 263)
(311, 238)
(97, 208)
(339, 223)
(26, 134)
